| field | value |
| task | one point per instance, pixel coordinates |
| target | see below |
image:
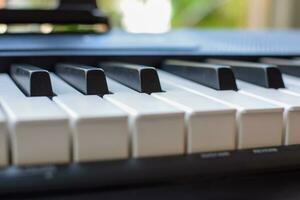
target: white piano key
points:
(291, 89)
(290, 103)
(116, 87)
(99, 129)
(260, 124)
(292, 84)
(35, 124)
(60, 87)
(38, 130)
(9, 87)
(157, 128)
(3, 140)
(291, 79)
(202, 115)
(199, 114)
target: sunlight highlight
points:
(146, 16)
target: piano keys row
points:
(120, 110)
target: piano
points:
(111, 109)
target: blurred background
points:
(156, 16)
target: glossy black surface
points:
(88, 80)
(287, 66)
(275, 186)
(132, 172)
(218, 77)
(140, 78)
(67, 12)
(32, 80)
(265, 75)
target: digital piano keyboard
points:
(99, 110)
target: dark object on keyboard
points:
(68, 12)
(88, 80)
(32, 80)
(218, 77)
(140, 78)
(287, 66)
(268, 76)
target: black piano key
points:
(32, 80)
(218, 77)
(265, 75)
(287, 66)
(86, 79)
(140, 78)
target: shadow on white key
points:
(100, 129)
(290, 103)
(210, 125)
(259, 123)
(3, 141)
(117, 87)
(157, 128)
(8, 87)
(60, 87)
(292, 85)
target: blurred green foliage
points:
(209, 13)
(196, 13)
(110, 7)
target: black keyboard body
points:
(188, 44)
